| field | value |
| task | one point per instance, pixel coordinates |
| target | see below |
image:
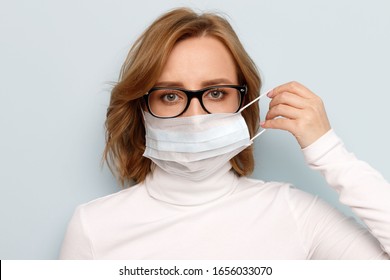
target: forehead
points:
(194, 60)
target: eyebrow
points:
(219, 81)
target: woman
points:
(177, 126)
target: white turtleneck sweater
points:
(231, 217)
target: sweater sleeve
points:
(359, 186)
(76, 245)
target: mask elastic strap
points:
(249, 104)
(258, 134)
(253, 101)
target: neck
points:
(177, 190)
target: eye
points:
(170, 97)
(215, 94)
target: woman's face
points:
(196, 63)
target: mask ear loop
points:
(249, 104)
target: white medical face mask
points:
(195, 147)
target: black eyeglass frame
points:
(198, 94)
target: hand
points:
(303, 113)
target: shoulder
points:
(252, 185)
(118, 202)
(281, 192)
(93, 220)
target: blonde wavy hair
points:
(125, 131)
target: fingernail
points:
(269, 94)
(262, 123)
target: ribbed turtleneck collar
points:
(180, 191)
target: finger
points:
(285, 111)
(290, 99)
(293, 87)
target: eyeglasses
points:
(165, 102)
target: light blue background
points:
(57, 59)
